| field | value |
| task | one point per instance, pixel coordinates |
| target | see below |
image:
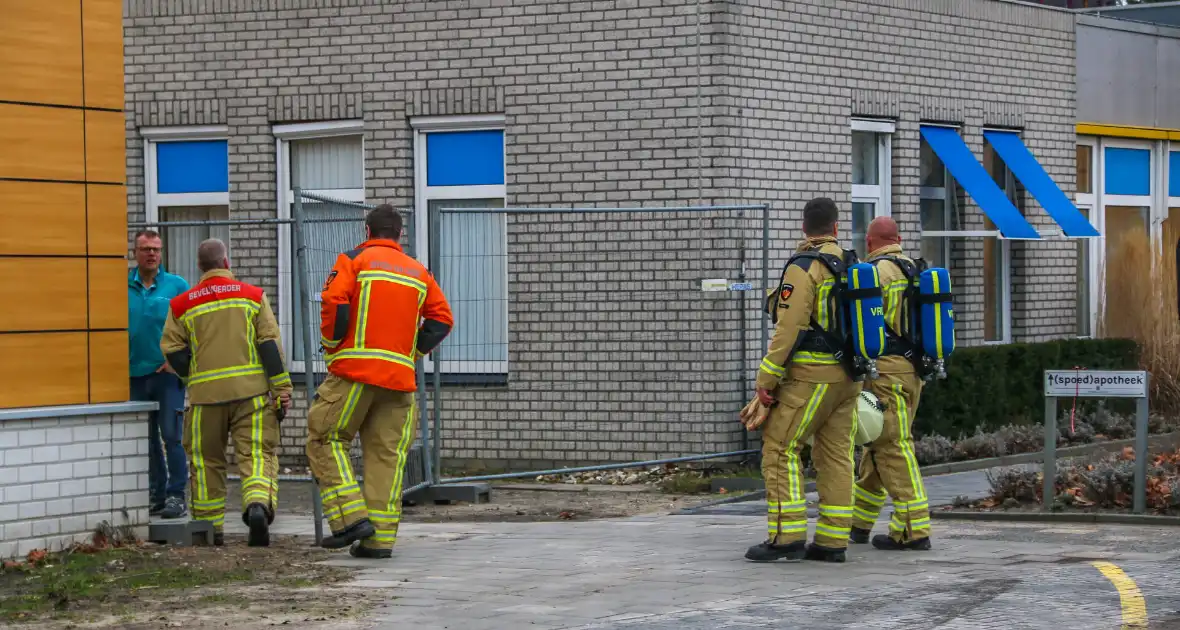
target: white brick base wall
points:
(60, 476)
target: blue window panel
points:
(198, 166)
(1128, 171)
(1026, 168)
(465, 158)
(971, 175)
(1174, 174)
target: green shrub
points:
(988, 387)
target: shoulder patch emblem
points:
(784, 292)
(331, 277)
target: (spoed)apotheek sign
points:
(1095, 384)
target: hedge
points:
(991, 386)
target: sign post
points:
(1096, 384)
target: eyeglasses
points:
(151, 250)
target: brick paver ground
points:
(687, 572)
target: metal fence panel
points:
(584, 336)
(316, 236)
(330, 227)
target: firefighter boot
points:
(358, 530)
(360, 551)
(824, 554)
(258, 520)
(769, 552)
(886, 543)
(859, 536)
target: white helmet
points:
(870, 419)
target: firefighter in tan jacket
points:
(222, 338)
(811, 394)
(889, 463)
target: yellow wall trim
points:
(1124, 131)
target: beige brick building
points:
(609, 103)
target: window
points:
(871, 174)
(1171, 235)
(937, 207)
(1172, 222)
(1086, 270)
(1126, 202)
(997, 258)
(1171, 228)
(459, 163)
(325, 159)
(186, 179)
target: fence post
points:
(765, 278)
(1049, 463)
(436, 432)
(1142, 428)
(423, 419)
(302, 290)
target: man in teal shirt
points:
(149, 291)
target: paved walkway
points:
(941, 490)
(687, 572)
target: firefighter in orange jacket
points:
(372, 303)
(222, 338)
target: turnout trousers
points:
(826, 411)
(253, 426)
(890, 466)
(384, 418)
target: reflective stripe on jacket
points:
(374, 303)
(222, 322)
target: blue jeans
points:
(167, 469)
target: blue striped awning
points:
(1030, 173)
(971, 175)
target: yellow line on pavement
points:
(1134, 608)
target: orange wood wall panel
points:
(42, 294)
(41, 51)
(41, 142)
(102, 47)
(106, 220)
(63, 243)
(42, 218)
(43, 369)
(106, 147)
(108, 293)
(109, 374)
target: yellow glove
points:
(754, 414)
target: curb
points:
(584, 488)
(1057, 517)
(749, 496)
(1164, 439)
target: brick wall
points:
(610, 103)
(61, 477)
(797, 72)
